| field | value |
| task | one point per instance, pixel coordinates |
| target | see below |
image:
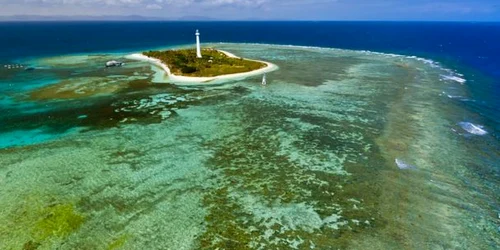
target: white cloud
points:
(154, 7)
(143, 2)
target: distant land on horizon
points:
(138, 18)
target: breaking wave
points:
(472, 128)
(403, 165)
(448, 74)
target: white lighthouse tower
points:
(198, 49)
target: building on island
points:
(198, 48)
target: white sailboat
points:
(264, 82)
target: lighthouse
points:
(198, 49)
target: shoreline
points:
(212, 80)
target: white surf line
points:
(188, 80)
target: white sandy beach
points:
(187, 80)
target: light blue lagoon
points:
(341, 149)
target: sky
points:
(429, 10)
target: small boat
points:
(264, 81)
(114, 64)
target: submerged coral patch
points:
(58, 220)
(304, 162)
(82, 88)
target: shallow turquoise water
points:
(305, 162)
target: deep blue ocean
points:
(470, 48)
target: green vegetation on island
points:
(214, 63)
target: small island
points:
(208, 65)
(213, 63)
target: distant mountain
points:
(196, 18)
(19, 18)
